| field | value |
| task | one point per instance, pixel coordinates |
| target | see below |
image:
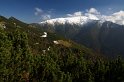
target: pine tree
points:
(5, 56)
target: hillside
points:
(38, 43)
(103, 37)
(29, 54)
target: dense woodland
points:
(19, 64)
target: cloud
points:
(43, 15)
(51, 11)
(94, 14)
(110, 9)
(46, 17)
(117, 17)
(93, 11)
(79, 13)
(38, 11)
(69, 15)
(91, 14)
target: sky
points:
(32, 11)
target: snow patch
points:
(91, 14)
(44, 35)
(55, 42)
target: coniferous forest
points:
(61, 40)
(19, 64)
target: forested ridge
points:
(19, 64)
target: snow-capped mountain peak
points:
(92, 14)
(71, 20)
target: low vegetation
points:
(19, 64)
(27, 57)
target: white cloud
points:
(93, 11)
(94, 14)
(38, 11)
(69, 15)
(117, 17)
(110, 9)
(120, 13)
(91, 14)
(44, 15)
(79, 13)
(51, 11)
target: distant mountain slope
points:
(107, 39)
(17, 22)
(39, 44)
(104, 37)
(29, 54)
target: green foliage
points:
(22, 61)
(5, 55)
(14, 56)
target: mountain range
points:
(103, 37)
(60, 52)
(38, 44)
(92, 14)
(104, 34)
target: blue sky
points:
(37, 10)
